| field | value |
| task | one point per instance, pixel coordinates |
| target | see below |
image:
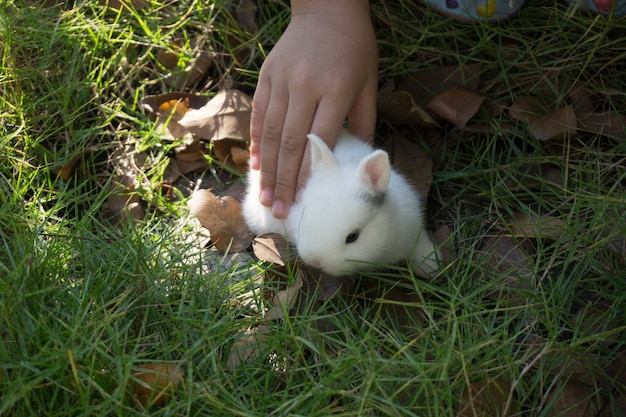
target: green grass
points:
(83, 304)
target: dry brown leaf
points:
(602, 123)
(239, 156)
(191, 158)
(249, 347)
(168, 102)
(560, 124)
(405, 306)
(191, 152)
(581, 101)
(535, 174)
(457, 105)
(539, 227)
(616, 406)
(323, 286)
(123, 204)
(237, 190)
(198, 165)
(596, 318)
(172, 172)
(442, 238)
(399, 109)
(511, 257)
(507, 252)
(412, 161)
(169, 108)
(285, 299)
(426, 84)
(168, 58)
(126, 5)
(532, 175)
(253, 343)
(605, 123)
(526, 109)
(485, 399)
(244, 12)
(574, 399)
(153, 383)
(616, 369)
(67, 169)
(227, 115)
(192, 73)
(231, 152)
(222, 218)
(614, 232)
(271, 247)
(191, 70)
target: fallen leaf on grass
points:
(222, 217)
(272, 247)
(582, 102)
(123, 204)
(404, 305)
(253, 343)
(532, 175)
(596, 319)
(236, 190)
(125, 5)
(244, 12)
(412, 161)
(560, 124)
(482, 399)
(604, 123)
(617, 370)
(249, 347)
(169, 108)
(183, 71)
(614, 232)
(526, 109)
(457, 105)
(616, 406)
(574, 399)
(168, 102)
(564, 122)
(226, 115)
(67, 169)
(443, 239)
(399, 109)
(285, 300)
(191, 158)
(509, 256)
(426, 84)
(232, 153)
(601, 122)
(539, 227)
(153, 383)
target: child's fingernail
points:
(267, 197)
(278, 209)
(254, 162)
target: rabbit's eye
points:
(352, 236)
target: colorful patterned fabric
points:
(494, 10)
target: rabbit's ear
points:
(375, 170)
(321, 155)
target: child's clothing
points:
(494, 10)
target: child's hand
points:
(323, 68)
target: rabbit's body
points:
(355, 212)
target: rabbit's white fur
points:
(352, 189)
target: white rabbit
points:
(355, 212)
